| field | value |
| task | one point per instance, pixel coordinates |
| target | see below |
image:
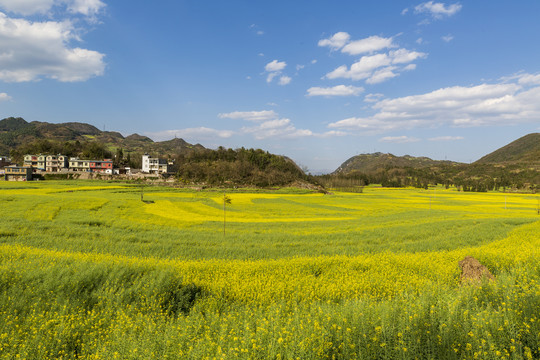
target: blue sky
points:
(318, 81)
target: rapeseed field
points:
(89, 271)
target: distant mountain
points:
(370, 163)
(516, 165)
(525, 150)
(16, 132)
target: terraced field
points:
(89, 271)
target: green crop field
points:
(97, 270)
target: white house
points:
(154, 165)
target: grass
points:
(88, 270)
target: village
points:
(35, 166)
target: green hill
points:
(18, 135)
(525, 150)
(371, 163)
(516, 165)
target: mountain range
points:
(524, 152)
(519, 160)
(15, 132)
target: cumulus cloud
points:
(336, 42)
(503, 103)
(30, 7)
(368, 45)
(4, 97)
(399, 139)
(437, 10)
(339, 90)
(446, 138)
(274, 69)
(282, 128)
(382, 75)
(284, 80)
(195, 134)
(342, 40)
(253, 116)
(528, 79)
(271, 125)
(377, 68)
(275, 65)
(34, 50)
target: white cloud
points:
(271, 77)
(398, 139)
(33, 50)
(404, 11)
(336, 42)
(481, 105)
(253, 116)
(299, 67)
(372, 97)
(382, 75)
(274, 69)
(271, 125)
(331, 133)
(26, 7)
(260, 32)
(341, 40)
(447, 38)
(403, 56)
(409, 67)
(369, 66)
(314, 61)
(275, 65)
(30, 7)
(361, 69)
(339, 90)
(280, 128)
(5, 97)
(529, 79)
(195, 134)
(446, 138)
(419, 40)
(284, 80)
(437, 10)
(368, 45)
(85, 7)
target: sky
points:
(317, 81)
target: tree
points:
(226, 200)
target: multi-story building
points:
(42, 162)
(76, 164)
(49, 163)
(31, 160)
(18, 173)
(154, 165)
(56, 163)
(101, 166)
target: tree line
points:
(473, 177)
